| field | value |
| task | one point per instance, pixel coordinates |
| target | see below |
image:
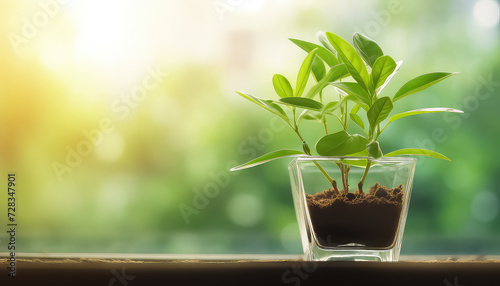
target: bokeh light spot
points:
(115, 194)
(290, 238)
(485, 206)
(111, 148)
(486, 13)
(245, 210)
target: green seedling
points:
(360, 100)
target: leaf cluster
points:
(359, 73)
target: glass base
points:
(339, 254)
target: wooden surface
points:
(246, 270)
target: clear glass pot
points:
(365, 225)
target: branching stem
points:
(306, 150)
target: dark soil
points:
(365, 219)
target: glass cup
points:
(351, 208)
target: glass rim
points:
(306, 158)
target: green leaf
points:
(356, 101)
(340, 144)
(374, 149)
(305, 70)
(357, 120)
(422, 111)
(382, 69)
(348, 55)
(272, 105)
(379, 111)
(306, 148)
(336, 72)
(354, 89)
(355, 108)
(420, 83)
(323, 53)
(333, 74)
(324, 41)
(419, 152)
(389, 78)
(362, 153)
(313, 116)
(330, 106)
(304, 115)
(357, 163)
(269, 157)
(282, 86)
(302, 102)
(268, 105)
(318, 69)
(369, 50)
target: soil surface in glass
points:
(356, 219)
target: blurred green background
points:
(144, 93)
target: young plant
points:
(370, 71)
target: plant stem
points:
(294, 121)
(307, 150)
(360, 185)
(295, 128)
(345, 117)
(298, 134)
(347, 168)
(330, 179)
(344, 172)
(342, 117)
(379, 132)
